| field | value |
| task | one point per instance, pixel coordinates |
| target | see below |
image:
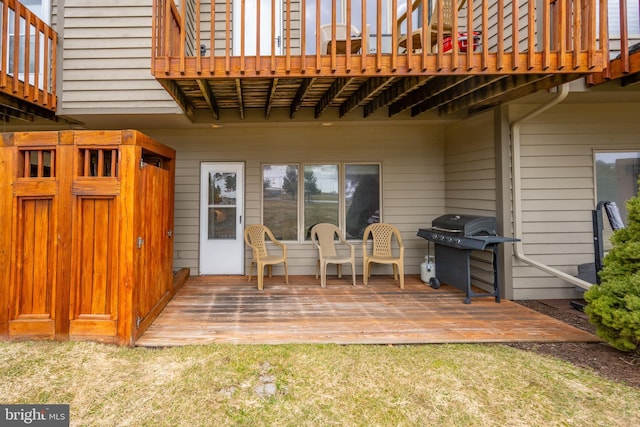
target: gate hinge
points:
(138, 321)
(170, 233)
(142, 164)
(140, 242)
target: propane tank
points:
(427, 269)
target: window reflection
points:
(362, 197)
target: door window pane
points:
(362, 197)
(321, 203)
(280, 200)
(222, 205)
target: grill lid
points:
(466, 225)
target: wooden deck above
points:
(228, 309)
(553, 43)
(26, 92)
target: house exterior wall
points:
(559, 187)
(470, 179)
(412, 159)
(105, 58)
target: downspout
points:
(517, 192)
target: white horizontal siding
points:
(559, 187)
(412, 159)
(106, 59)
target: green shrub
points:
(614, 305)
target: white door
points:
(221, 218)
(250, 27)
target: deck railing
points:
(27, 56)
(249, 39)
(624, 43)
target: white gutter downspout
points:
(517, 192)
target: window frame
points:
(301, 231)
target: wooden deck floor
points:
(228, 309)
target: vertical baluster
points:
(546, 35)
(591, 34)
(426, 31)
(562, 33)
(347, 43)
(409, 32)
(531, 34)
(484, 36)
(577, 33)
(624, 38)
(287, 65)
(318, 37)
(515, 33)
(212, 37)
(365, 37)
(258, 32)
(379, 35)
(183, 35)
(500, 37)
(303, 35)
(198, 41)
(243, 20)
(455, 51)
(227, 37)
(394, 35)
(38, 26)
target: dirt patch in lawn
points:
(600, 357)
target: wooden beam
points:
(505, 90)
(461, 88)
(273, 86)
(394, 92)
(427, 91)
(367, 90)
(301, 94)
(179, 96)
(630, 79)
(6, 113)
(335, 90)
(239, 95)
(209, 98)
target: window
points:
(280, 200)
(321, 200)
(362, 197)
(616, 181)
(617, 178)
(347, 195)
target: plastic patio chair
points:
(254, 236)
(432, 35)
(382, 250)
(323, 236)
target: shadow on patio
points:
(228, 309)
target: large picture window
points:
(347, 195)
(280, 200)
(321, 199)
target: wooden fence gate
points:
(86, 248)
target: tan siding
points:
(470, 167)
(106, 59)
(412, 165)
(558, 187)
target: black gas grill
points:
(455, 237)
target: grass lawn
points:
(312, 385)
